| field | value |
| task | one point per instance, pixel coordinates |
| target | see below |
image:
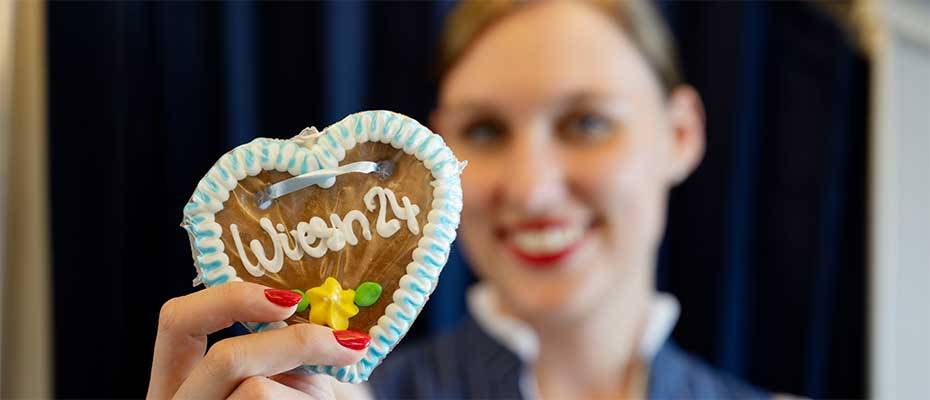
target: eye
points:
(484, 131)
(586, 126)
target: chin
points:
(557, 298)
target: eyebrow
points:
(572, 98)
(584, 97)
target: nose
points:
(534, 182)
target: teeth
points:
(547, 241)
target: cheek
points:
(477, 237)
(627, 190)
(477, 192)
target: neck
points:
(597, 356)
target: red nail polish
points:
(283, 298)
(352, 339)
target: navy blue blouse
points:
(467, 363)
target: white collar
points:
(518, 337)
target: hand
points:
(248, 366)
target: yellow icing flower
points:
(330, 305)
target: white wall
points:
(900, 199)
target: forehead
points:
(545, 51)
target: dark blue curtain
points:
(764, 246)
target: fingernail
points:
(283, 298)
(352, 339)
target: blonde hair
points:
(646, 29)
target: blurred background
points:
(800, 249)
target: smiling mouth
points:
(544, 244)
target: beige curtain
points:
(25, 351)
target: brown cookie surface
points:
(380, 260)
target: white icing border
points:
(263, 154)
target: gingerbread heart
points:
(358, 218)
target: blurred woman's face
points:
(572, 147)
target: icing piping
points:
(332, 238)
(431, 151)
(406, 212)
(330, 305)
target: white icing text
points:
(315, 237)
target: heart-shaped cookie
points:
(358, 218)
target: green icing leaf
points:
(367, 294)
(304, 302)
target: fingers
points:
(218, 307)
(320, 386)
(316, 386)
(185, 321)
(231, 361)
(259, 387)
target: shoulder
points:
(676, 374)
(462, 363)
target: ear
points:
(686, 113)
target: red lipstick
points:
(543, 261)
(539, 261)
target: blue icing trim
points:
(344, 131)
(435, 153)
(426, 143)
(234, 161)
(418, 289)
(341, 374)
(438, 167)
(280, 154)
(385, 340)
(206, 233)
(374, 121)
(223, 173)
(403, 317)
(198, 242)
(442, 235)
(319, 164)
(365, 363)
(326, 154)
(203, 197)
(190, 207)
(213, 186)
(452, 208)
(211, 265)
(264, 155)
(411, 303)
(221, 279)
(422, 273)
(400, 129)
(395, 330)
(444, 220)
(358, 124)
(206, 250)
(198, 219)
(376, 352)
(304, 168)
(432, 262)
(249, 157)
(332, 142)
(435, 247)
(293, 161)
(387, 124)
(260, 326)
(410, 138)
(453, 195)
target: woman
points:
(576, 125)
